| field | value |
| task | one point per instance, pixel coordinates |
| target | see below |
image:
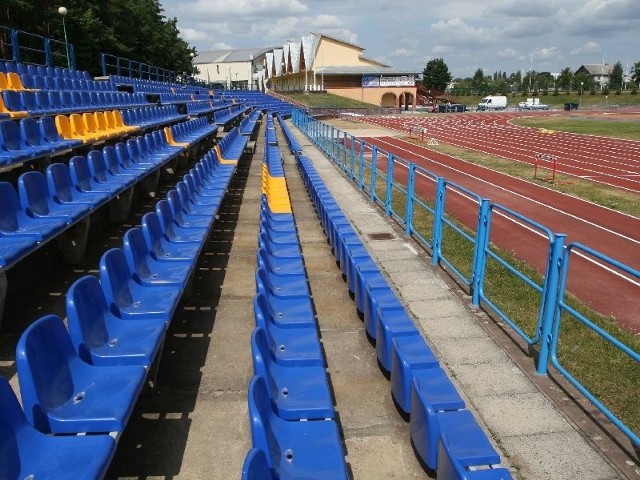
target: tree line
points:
(133, 29)
(436, 77)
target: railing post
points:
(352, 157)
(479, 257)
(389, 192)
(550, 295)
(411, 182)
(15, 46)
(374, 167)
(48, 58)
(361, 166)
(436, 241)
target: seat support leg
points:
(73, 241)
(3, 293)
(120, 207)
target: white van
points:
(493, 102)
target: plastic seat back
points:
(136, 252)
(12, 101)
(12, 420)
(98, 165)
(256, 466)
(44, 357)
(48, 130)
(63, 125)
(9, 206)
(59, 182)
(115, 277)
(31, 132)
(86, 309)
(81, 173)
(33, 191)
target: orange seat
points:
(12, 114)
(63, 124)
(169, 134)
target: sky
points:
(500, 35)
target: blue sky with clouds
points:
(501, 35)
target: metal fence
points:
(434, 211)
(113, 65)
(24, 47)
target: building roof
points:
(362, 70)
(229, 56)
(597, 68)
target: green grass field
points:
(628, 129)
(585, 102)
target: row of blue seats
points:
(232, 145)
(152, 117)
(156, 86)
(192, 131)
(445, 435)
(31, 138)
(33, 69)
(181, 97)
(249, 122)
(46, 82)
(87, 379)
(293, 427)
(45, 205)
(226, 116)
(53, 102)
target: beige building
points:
(315, 63)
(322, 63)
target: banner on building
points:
(382, 81)
(370, 80)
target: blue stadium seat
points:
(191, 208)
(391, 323)
(256, 467)
(14, 221)
(36, 200)
(101, 174)
(431, 393)
(160, 247)
(297, 392)
(290, 346)
(64, 191)
(27, 453)
(131, 300)
(102, 339)
(82, 178)
(182, 217)
(63, 394)
(12, 147)
(146, 269)
(279, 266)
(33, 138)
(113, 165)
(452, 467)
(50, 134)
(408, 353)
(175, 233)
(310, 450)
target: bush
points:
(605, 91)
(556, 93)
(618, 92)
(634, 91)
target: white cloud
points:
(507, 53)
(456, 32)
(589, 47)
(546, 53)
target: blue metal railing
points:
(26, 47)
(550, 292)
(563, 307)
(113, 65)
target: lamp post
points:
(192, 55)
(581, 89)
(250, 77)
(63, 13)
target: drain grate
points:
(381, 236)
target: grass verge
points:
(629, 129)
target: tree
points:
(436, 75)
(478, 81)
(615, 78)
(133, 29)
(635, 73)
(565, 79)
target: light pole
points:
(250, 78)
(192, 55)
(581, 90)
(63, 12)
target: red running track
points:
(611, 233)
(610, 161)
